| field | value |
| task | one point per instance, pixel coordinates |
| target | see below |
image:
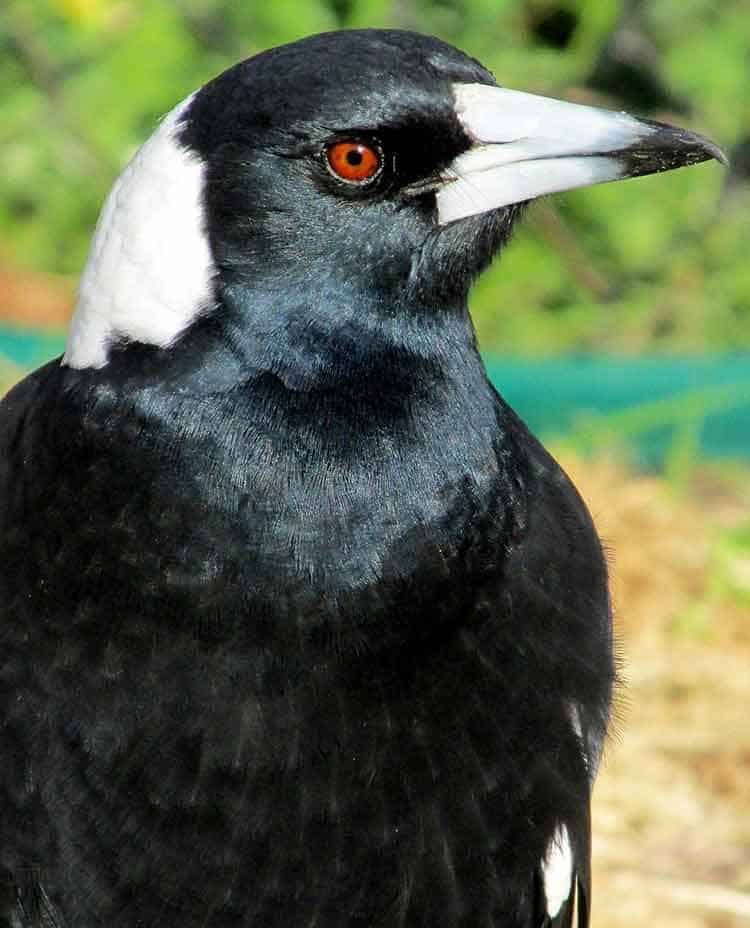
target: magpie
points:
(300, 625)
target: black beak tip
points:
(693, 146)
(715, 152)
(663, 148)
(705, 147)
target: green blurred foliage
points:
(660, 262)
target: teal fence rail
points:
(661, 409)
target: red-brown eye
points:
(354, 162)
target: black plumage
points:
(300, 625)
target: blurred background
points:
(617, 324)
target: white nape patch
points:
(529, 146)
(150, 269)
(557, 871)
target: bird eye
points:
(353, 161)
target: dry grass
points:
(672, 804)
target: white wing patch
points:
(557, 871)
(149, 271)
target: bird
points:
(301, 626)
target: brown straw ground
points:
(672, 803)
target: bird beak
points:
(527, 146)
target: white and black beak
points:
(526, 146)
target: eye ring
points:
(354, 161)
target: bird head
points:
(334, 185)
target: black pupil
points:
(354, 157)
